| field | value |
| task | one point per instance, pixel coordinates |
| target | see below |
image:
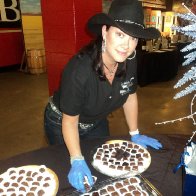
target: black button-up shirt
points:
(82, 93)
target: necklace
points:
(111, 71)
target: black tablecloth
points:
(159, 173)
(157, 66)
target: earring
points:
(133, 55)
(103, 47)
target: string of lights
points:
(190, 75)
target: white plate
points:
(20, 175)
(120, 158)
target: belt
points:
(54, 108)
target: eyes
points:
(119, 34)
(134, 38)
(122, 35)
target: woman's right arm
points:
(79, 168)
(71, 135)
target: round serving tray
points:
(13, 175)
(120, 158)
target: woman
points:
(98, 80)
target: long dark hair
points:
(94, 50)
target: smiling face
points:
(119, 45)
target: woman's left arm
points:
(131, 114)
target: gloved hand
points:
(146, 141)
(78, 171)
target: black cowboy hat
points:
(126, 15)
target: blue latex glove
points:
(146, 141)
(78, 171)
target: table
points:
(157, 66)
(159, 173)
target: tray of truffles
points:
(29, 180)
(120, 158)
(131, 186)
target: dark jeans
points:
(53, 128)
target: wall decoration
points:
(32, 24)
(11, 36)
(10, 14)
(147, 18)
(168, 18)
(153, 18)
(30, 7)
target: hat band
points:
(129, 22)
